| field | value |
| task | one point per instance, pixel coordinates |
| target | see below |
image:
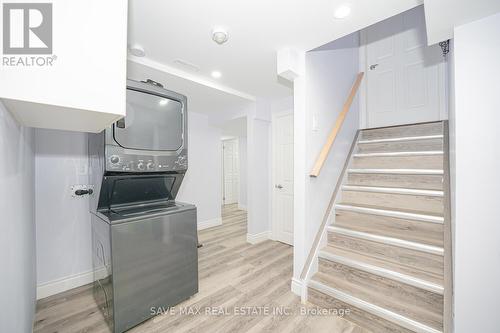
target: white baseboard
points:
(242, 207)
(209, 223)
(257, 238)
(60, 285)
(297, 287)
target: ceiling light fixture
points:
(216, 74)
(219, 35)
(342, 12)
(137, 50)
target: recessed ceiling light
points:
(216, 74)
(219, 35)
(342, 12)
(137, 50)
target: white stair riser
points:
(362, 318)
(398, 162)
(428, 182)
(423, 203)
(403, 131)
(399, 146)
(411, 230)
(414, 303)
(426, 262)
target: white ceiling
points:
(443, 15)
(181, 29)
(201, 98)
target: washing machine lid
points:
(142, 212)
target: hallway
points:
(251, 282)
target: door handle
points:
(372, 67)
(279, 186)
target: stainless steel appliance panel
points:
(153, 135)
(144, 242)
(155, 264)
(123, 190)
(101, 260)
(119, 159)
(152, 123)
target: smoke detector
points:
(220, 36)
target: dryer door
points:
(153, 122)
(126, 190)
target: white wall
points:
(452, 139)
(477, 179)
(259, 171)
(329, 76)
(17, 236)
(62, 222)
(242, 153)
(202, 183)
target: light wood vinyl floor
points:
(242, 288)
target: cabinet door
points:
(70, 73)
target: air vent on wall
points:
(187, 65)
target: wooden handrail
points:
(323, 154)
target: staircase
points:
(384, 249)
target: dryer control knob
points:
(140, 166)
(114, 159)
(150, 165)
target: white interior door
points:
(231, 174)
(283, 177)
(405, 77)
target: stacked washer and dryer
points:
(144, 242)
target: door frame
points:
(223, 178)
(274, 219)
(443, 82)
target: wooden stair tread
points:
(393, 190)
(405, 144)
(374, 296)
(398, 160)
(403, 269)
(433, 128)
(389, 209)
(381, 272)
(401, 154)
(387, 223)
(424, 182)
(367, 315)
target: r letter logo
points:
(27, 28)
